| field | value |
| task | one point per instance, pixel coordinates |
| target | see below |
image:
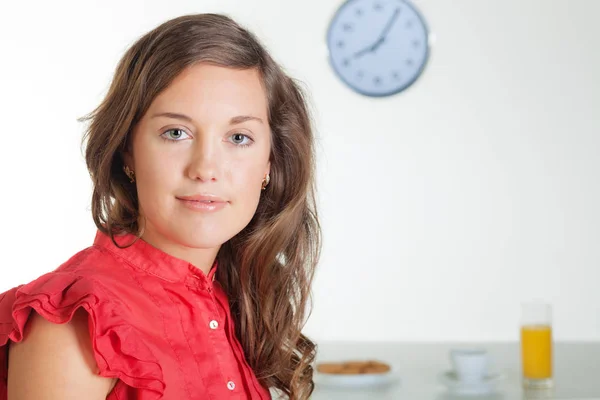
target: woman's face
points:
(219, 145)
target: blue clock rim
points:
(382, 94)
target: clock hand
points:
(366, 50)
(381, 38)
(386, 30)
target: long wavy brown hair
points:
(267, 269)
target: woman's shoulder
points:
(99, 266)
(91, 275)
(92, 279)
(96, 282)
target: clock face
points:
(378, 47)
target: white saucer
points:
(356, 380)
(487, 385)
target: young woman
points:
(198, 280)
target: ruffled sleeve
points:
(118, 347)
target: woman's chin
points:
(200, 240)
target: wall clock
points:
(378, 47)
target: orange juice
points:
(536, 351)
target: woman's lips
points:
(203, 202)
(204, 205)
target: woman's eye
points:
(240, 139)
(174, 134)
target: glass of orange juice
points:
(536, 345)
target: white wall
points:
(442, 207)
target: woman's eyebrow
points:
(234, 121)
(173, 116)
(243, 118)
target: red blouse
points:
(157, 323)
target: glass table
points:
(419, 366)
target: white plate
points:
(487, 385)
(356, 380)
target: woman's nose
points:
(204, 164)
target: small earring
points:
(129, 173)
(266, 181)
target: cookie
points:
(330, 368)
(354, 367)
(377, 368)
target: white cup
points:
(470, 365)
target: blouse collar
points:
(151, 259)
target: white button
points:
(213, 324)
(230, 385)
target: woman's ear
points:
(128, 159)
(127, 154)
